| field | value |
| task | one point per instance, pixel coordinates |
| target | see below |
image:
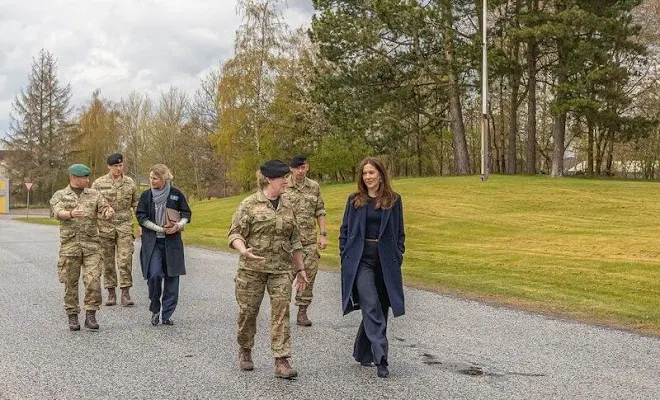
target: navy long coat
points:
(391, 246)
(146, 210)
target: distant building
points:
(4, 184)
(628, 169)
(3, 167)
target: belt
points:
(371, 240)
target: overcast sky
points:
(119, 46)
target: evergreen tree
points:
(39, 138)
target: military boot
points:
(302, 319)
(126, 298)
(283, 368)
(245, 359)
(90, 320)
(74, 325)
(112, 297)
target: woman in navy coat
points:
(161, 255)
(371, 246)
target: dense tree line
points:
(569, 80)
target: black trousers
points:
(163, 289)
(371, 293)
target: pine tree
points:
(40, 133)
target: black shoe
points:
(366, 363)
(155, 318)
(168, 322)
(382, 371)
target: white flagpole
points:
(484, 94)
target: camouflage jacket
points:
(122, 195)
(308, 203)
(80, 235)
(270, 233)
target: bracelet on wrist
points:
(324, 233)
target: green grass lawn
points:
(39, 220)
(578, 248)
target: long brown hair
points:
(385, 197)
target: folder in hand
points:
(172, 216)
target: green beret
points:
(79, 170)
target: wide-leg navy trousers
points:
(163, 289)
(371, 340)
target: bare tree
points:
(208, 165)
(133, 122)
(165, 137)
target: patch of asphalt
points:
(443, 348)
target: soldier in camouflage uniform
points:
(265, 232)
(117, 234)
(305, 195)
(78, 209)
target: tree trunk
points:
(558, 136)
(590, 150)
(513, 128)
(502, 134)
(461, 158)
(420, 146)
(511, 164)
(531, 108)
(532, 55)
(610, 155)
(559, 126)
(600, 144)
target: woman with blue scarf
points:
(162, 212)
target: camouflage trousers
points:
(311, 260)
(117, 254)
(250, 287)
(68, 271)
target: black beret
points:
(274, 169)
(115, 158)
(297, 161)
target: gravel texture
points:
(443, 348)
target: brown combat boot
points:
(112, 297)
(126, 298)
(283, 368)
(302, 317)
(245, 359)
(74, 325)
(90, 320)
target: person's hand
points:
(323, 242)
(78, 212)
(301, 280)
(171, 229)
(248, 254)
